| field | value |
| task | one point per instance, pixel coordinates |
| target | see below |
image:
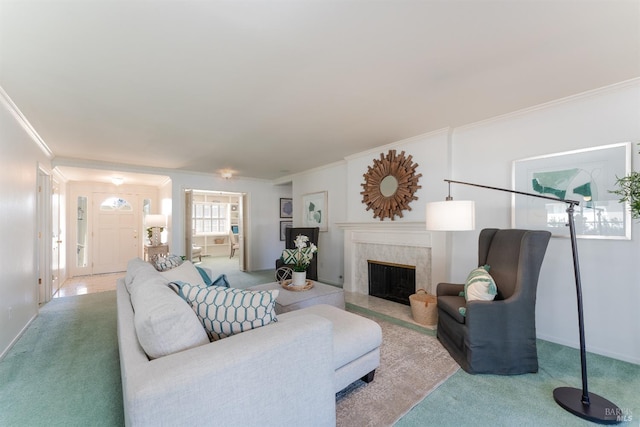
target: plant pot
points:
(299, 278)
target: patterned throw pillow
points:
(480, 286)
(227, 311)
(164, 263)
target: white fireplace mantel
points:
(400, 242)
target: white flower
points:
(302, 254)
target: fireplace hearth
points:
(390, 281)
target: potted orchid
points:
(300, 258)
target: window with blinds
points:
(210, 217)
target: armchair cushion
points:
(451, 305)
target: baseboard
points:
(594, 350)
(15, 340)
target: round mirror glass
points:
(388, 186)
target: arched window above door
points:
(115, 204)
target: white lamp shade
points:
(451, 215)
(155, 221)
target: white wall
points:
(20, 157)
(331, 179)
(483, 153)
(343, 181)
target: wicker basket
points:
(424, 307)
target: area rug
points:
(412, 365)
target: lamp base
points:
(156, 236)
(599, 410)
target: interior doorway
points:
(215, 232)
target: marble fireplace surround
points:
(394, 242)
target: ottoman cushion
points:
(294, 300)
(353, 335)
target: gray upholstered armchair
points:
(499, 336)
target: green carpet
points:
(64, 371)
(527, 400)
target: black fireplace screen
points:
(394, 282)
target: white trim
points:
(397, 238)
(18, 336)
(288, 179)
(383, 225)
(396, 144)
(590, 349)
(582, 95)
(22, 121)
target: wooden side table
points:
(152, 251)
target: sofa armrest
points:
(271, 375)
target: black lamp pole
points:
(579, 402)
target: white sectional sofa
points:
(282, 374)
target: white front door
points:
(116, 221)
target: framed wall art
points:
(286, 208)
(314, 210)
(283, 229)
(587, 176)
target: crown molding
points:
(397, 144)
(22, 121)
(578, 96)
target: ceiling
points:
(271, 88)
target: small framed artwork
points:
(286, 208)
(314, 210)
(586, 176)
(283, 229)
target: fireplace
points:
(390, 281)
(395, 242)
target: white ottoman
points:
(356, 343)
(294, 300)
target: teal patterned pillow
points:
(228, 311)
(167, 262)
(480, 285)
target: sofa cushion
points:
(227, 311)
(135, 267)
(163, 322)
(185, 272)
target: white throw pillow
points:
(480, 286)
(227, 311)
(186, 272)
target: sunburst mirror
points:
(389, 185)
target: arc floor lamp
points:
(460, 215)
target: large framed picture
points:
(314, 210)
(286, 208)
(587, 176)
